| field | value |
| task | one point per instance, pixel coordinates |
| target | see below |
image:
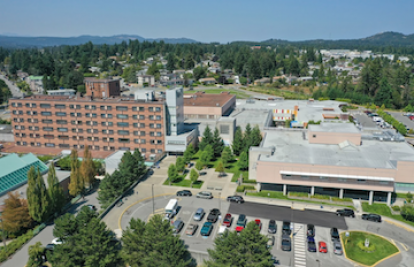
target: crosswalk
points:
(299, 245)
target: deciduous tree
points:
(193, 176)
(172, 173)
(226, 156)
(199, 165)
(55, 191)
(189, 153)
(180, 164)
(15, 216)
(76, 185)
(220, 168)
(87, 169)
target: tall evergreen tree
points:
(247, 137)
(32, 193)
(207, 138)
(36, 253)
(75, 185)
(384, 93)
(218, 143)
(238, 144)
(87, 169)
(256, 136)
(243, 162)
(55, 191)
(45, 206)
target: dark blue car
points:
(311, 244)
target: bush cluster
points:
(396, 124)
(15, 245)
(242, 188)
(396, 208)
(361, 246)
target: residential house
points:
(207, 80)
(213, 70)
(146, 80)
(35, 83)
(262, 81)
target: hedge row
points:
(242, 188)
(396, 124)
(15, 245)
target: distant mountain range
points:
(381, 39)
(22, 42)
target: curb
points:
(376, 263)
(398, 224)
(123, 212)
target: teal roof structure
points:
(13, 170)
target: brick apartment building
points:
(102, 119)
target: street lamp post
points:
(319, 263)
(153, 203)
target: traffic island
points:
(366, 248)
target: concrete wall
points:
(330, 138)
(405, 171)
(229, 106)
(269, 172)
(197, 110)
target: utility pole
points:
(153, 203)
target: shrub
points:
(407, 212)
(15, 245)
(321, 197)
(337, 199)
(409, 195)
(298, 194)
(242, 188)
(396, 208)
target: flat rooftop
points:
(117, 99)
(291, 147)
(346, 127)
(202, 99)
(307, 110)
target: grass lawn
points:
(383, 209)
(279, 195)
(239, 94)
(181, 181)
(383, 248)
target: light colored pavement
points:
(13, 88)
(299, 245)
(403, 119)
(20, 258)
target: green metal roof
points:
(13, 170)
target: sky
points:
(208, 21)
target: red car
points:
(239, 229)
(227, 220)
(259, 223)
(322, 247)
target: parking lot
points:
(365, 121)
(403, 119)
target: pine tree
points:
(65, 227)
(384, 94)
(218, 143)
(87, 169)
(209, 152)
(226, 156)
(256, 136)
(134, 246)
(55, 191)
(238, 144)
(140, 163)
(247, 137)
(251, 249)
(207, 138)
(33, 194)
(15, 216)
(243, 162)
(75, 185)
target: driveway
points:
(13, 89)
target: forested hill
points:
(384, 39)
(24, 42)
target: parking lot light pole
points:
(153, 203)
(319, 263)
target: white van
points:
(171, 208)
(222, 230)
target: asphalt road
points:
(318, 218)
(365, 121)
(20, 258)
(13, 89)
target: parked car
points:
(222, 230)
(57, 241)
(191, 229)
(286, 243)
(323, 248)
(371, 217)
(239, 229)
(270, 241)
(345, 212)
(92, 207)
(199, 214)
(311, 230)
(338, 248)
(206, 229)
(272, 227)
(184, 193)
(236, 199)
(311, 244)
(334, 234)
(177, 226)
(227, 220)
(119, 203)
(213, 215)
(258, 223)
(286, 228)
(242, 220)
(204, 194)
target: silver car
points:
(177, 226)
(199, 214)
(338, 248)
(204, 194)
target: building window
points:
(46, 113)
(61, 106)
(61, 121)
(49, 145)
(64, 145)
(159, 151)
(122, 124)
(123, 132)
(151, 109)
(136, 141)
(143, 150)
(314, 135)
(305, 177)
(158, 126)
(158, 117)
(143, 141)
(63, 137)
(48, 129)
(151, 117)
(342, 180)
(45, 105)
(60, 114)
(122, 116)
(47, 121)
(152, 150)
(62, 129)
(157, 109)
(361, 181)
(121, 108)
(123, 140)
